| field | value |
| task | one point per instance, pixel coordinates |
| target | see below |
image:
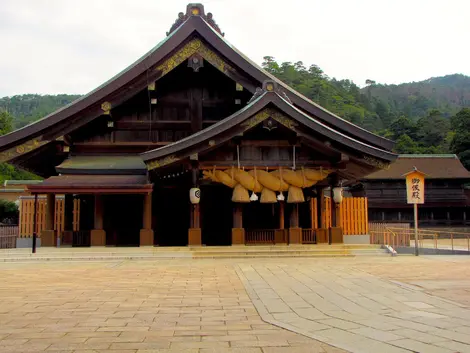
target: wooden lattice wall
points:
(353, 215)
(26, 220)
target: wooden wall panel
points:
(27, 213)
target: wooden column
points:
(146, 233)
(68, 212)
(295, 233)
(67, 236)
(48, 236)
(98, 234)
(280, 235)
(238, 232)
(322, 231)
(294, 216)
(336, 232)
(281, 214)
(194, 233)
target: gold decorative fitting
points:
(194, 46)
(269, 87)
(151, 87)
(270, 113)
(376, 163)
(66, 149)
(162, 162)
(106, 107)
(21, 149)
(195, 11)
(238, 87)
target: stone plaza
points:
(357, 304)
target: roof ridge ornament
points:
(270, 86)
(194, 9)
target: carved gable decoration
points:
(270, 86)
(194, 10)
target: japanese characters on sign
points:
(415, 187)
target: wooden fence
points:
(353, 216)
(8, 235)
(26, 221)
(394, 234)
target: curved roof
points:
(440, 166)
(89, 106)
(182, 146)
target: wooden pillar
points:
(294, 216)
(67, 236)
(336, 232)
(98, 234)
(48, 235)
(334, 218)
(146, 233)
(50, 211)
(322, 232)
(98, 221)
(195, 233)
(280, 235)
(295, 233)
(238, 232)
(68, 212)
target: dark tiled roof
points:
(103, 165)
(439, 166)
(90, 183)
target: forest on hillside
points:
(431, 116)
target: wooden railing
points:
(260, 236)
(396, 234)
(81, 238)
(309, 236)
(7, 229)
(8, 235)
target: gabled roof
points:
(440, 166)
(259, 109)
(136, 77)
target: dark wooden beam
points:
(152, 125)
(196, 108)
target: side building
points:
(446, 198)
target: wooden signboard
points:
(415, 196)
(415, 187)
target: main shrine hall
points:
(193, 144)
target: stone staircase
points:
(202, 252)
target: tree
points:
(403, 126)
(460, 143)
(433, 129)
(405, 144)
(6, 122)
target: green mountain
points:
(27, 108)
(448, 94)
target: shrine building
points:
(193, 144)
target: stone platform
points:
(193, 252)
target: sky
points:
(70, 46)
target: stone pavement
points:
(185, 306)
(238, 305)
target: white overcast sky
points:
(72, 46)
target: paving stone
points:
(375, 334)
(417, 346)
